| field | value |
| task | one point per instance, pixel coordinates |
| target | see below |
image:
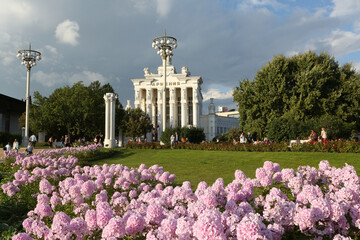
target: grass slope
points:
(196, 166)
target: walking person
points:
(7, 148)
(33, 140)
(16, 145)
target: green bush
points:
(6, 137)
(195, 135)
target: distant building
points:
(11, 110)
(215, 124)
(183, 101)
(222, 109)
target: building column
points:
(110, 99)
(159, 117)
(137, 98)
(153, 110)
(184, 107)
(148, 103)
(143, 100)
(172, 107)
(195, 108)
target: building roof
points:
(9, 104)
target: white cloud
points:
(53, 78)
(19, 11)
(356, 66)
(51, 49)
(163, 7)
(87, 77)
(217, 94)
(345, 8)
(68, 32)
(48, 79)
(342, 42)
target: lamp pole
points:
(164, 45)
(28, 58)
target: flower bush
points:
(338, 145)
(117, 202)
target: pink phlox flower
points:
(308, 194)
(308, 174)
(271, 167)
(88, 188)
(201, 188)
(295, 185)
(45, 186)
(184, 228)
(134, 223)
(208, 226)
(90, 218)
(195, 209)
(43, 210)
(154, 214)
(240, 176)
(287, 174)
(22, 236)
(252, 227)
(102, 196)
(61, 225)
(79, 227)
(208, 198)
(168, 227)
(103, 213)
(114, 229)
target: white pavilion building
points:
(183, 98)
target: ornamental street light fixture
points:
(28, 58)
(164, 45)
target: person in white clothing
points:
(242, 138)
(16, 145)
(33, 140)
(323, 135)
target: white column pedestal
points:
(110, 99)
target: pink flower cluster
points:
(113, 202)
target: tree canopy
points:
(77, 110)
(136, 123)
(303, 87)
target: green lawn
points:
(196, 166)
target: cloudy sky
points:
(224, 41)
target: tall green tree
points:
(302, 87)
(136, 123)
(76, 110)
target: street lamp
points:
(28, 58)
(164, 45)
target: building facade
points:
(183, 98)
(11, 110)
(215, 123)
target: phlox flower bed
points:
(117, 202)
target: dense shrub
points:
(286, 128)
(6, 137)
(194, 135)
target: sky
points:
(223, 41)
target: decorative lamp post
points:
(28, 58)
(164, 45)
